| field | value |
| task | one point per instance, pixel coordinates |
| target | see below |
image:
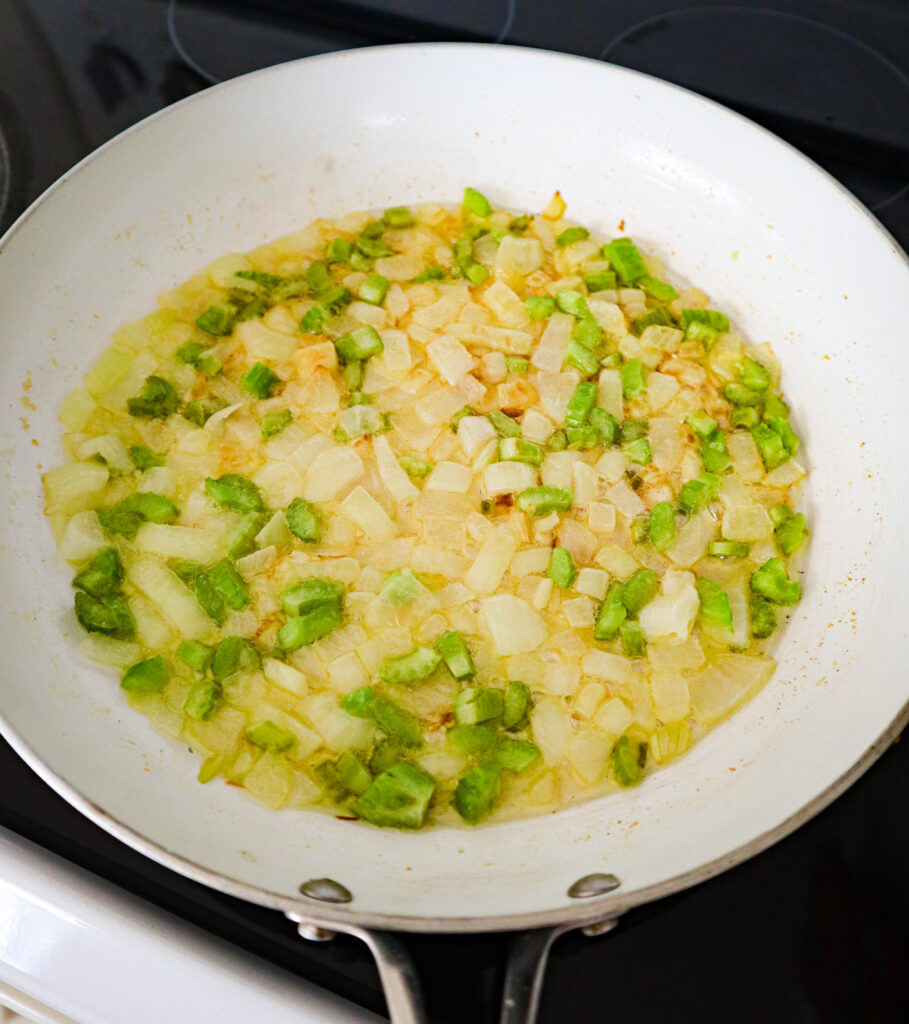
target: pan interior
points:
(777, 243)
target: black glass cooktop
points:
(813, 930)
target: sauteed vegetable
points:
(433, 515)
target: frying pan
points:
(792, 256)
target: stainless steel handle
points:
(525, 972)
(398, 974)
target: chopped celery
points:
(478, 704)
(662, 529)
(632, 430)
(584, 437)
(372, 248)
(468, 410)
(318, 277)
(790, 529)
(259, 380)
(605, 424)
(539, 307)
(633, 379)
(360, 344)
(476, 273)
(611, 615)
(200, 410)
(473, 739)
(516, 755)
(360, 703)
(401, 587)
(312, 320)
(306, 629)
(108, 615)
(353, 375)
(398, 217)
(477, 793)
(194, 655)
(697, 493)
(335, 299)
(521, 223)
(661, 317)
(587, 332)
(410, 668)
(570, 301)
(711, 317)
(456, 655)
(397, 723)
(516, 364)
(309, 594)
(600, 282)
(715, 605)
(728, 549)
(275, 422)
(518, 703)
(628, 760)
(558, 441)
(202, 699)
(151, 508)
(639, 589)
(581, 358)
(240, 538)
(398, 798)
(217, 320)
(156, 402)
(266, 281)
(770, 445)
(476, 202)
(540, 501)
(775, 407)
(303, 521)
(233, 654)
(352, 773)
(504, 424)
(561, 568)
(772, 582)
(640, 529)
(338, 250)
(787, 435)
(570, 235)
(414, 467)
(374, 289)
(144, 458)
(714, 453)
(148, 676)
(429, 274)
(738, 394)
(103, 576)
(516, 449)
(229, 585)
(234, 492)
(638, 451)
(702, 424)
(745, 416)
(581, 402)
(763, 617)
(269, 736)
(622, 253)
(754, 375)
(386, 753)
(632, 637)
(210, 601)
(662, 291)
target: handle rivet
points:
(327, 890)
(593, 885)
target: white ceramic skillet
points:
(794, 259)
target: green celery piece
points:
(456, 655)
(605, 424)
(715, 605)
(352, 773)
(360, 703)
(202, 699)
(318, 277)
(583, 438)
(517, 364)
(185, 569)
(662, 529)
(477, 793)
(754, 375)
(156, 402)
(518, 703)
(229, 585)
(612, 361)
(374, 229)
(397, 723)
(633, 430)
(587, 332)
(521, 223)
(468, 410)
(332, 787)
(478, 704)
(268, 736)
(240, 538)
(118, 520)
(335, 299)
(233, 654)
(580, 404)
(218, 320)
(697, 493)
(210, 601)
(386, 753)
(787, 435)
(570, 301)
(640, 529)
(633, 385)
(632, 637)
(772, 582)
(745, 416)
(410, 668)
(770, 445)
(763, 617)
(109, 615)
(473, 739)
(303, 521)
(103, 576)
(476, 274)
(372, 248)
(463, 254)
(148, 676)
(774, 406)
(791, 534)
(516, 449)
(144, 458)
(711, 317)
(306, 629)
(194, 655)
(738, 394)
(539, 307)
(309, 594)
(200, 410)
(728, 549)
(638, 451)
(516, 755)
(401, 587)
(360, 263)
(714, 453)
(600, 282)
(570, 235)
(251, 310)
(259, 381)
(623, 254)
(398, 798)
(476, 203)
(702, 424)
(414, 467)
(360, 344)
(540, 501)
(661, 317)
(505, 426)
(662, 291)
(353, 375)
(561, 568)
(275, 422)
(704, 333)
(191, 352)
(374, 289)
(312, 320)
(628, 760)
(398, 217)
(558, 441)
(611, 615)
(151, 508)
(234, 492)
(581, 358)
(639, 590)
(429, 274)
(338, 250)
(267, 281)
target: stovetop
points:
(814, 928)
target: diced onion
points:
(514, 626)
